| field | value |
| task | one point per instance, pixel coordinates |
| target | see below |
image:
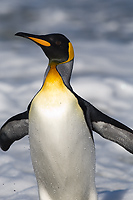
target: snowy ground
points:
(103, 75)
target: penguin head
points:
(56, 46)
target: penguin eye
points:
(58, 42)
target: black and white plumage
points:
(60, 125)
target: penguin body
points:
(60, 125)
(62, 149)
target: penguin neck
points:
(53, 80)
(58, 75)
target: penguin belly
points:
(62, 149)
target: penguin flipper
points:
(111, 129)
(14, 129)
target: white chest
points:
(62, 149)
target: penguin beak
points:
(36, 38)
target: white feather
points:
(62, 149)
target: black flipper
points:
(106, 126)
(111, 129)
(14, 129)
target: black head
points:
(56, 46)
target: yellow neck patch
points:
(53, 79)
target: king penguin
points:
(60, 125)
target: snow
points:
(103, 75)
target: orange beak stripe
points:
(40, 41)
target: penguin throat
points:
(53, 79)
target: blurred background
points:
(83, 19)
(101, 32)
